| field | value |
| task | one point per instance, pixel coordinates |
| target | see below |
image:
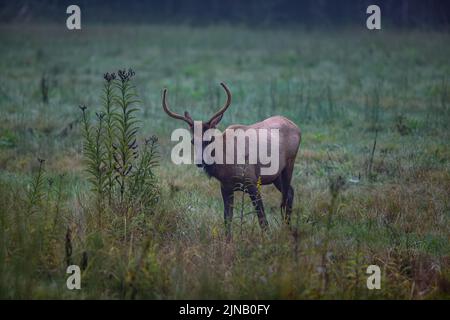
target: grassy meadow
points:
(372, 178)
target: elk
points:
(233, 177)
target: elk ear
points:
(214, 122)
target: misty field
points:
(372, 178)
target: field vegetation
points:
(372, 178)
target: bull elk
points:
(233, 177)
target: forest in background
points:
(253, 13)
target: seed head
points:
(109, 76)
(126, 75)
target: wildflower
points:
(152, 140)
(125, 75)
(259, 184)
(109, 76)
(100, 115)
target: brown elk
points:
(233, 177)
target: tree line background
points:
(309, 13)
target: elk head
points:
(213, 121)
(210, 124)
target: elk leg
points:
(288, 194)
(279, 185)
(290, 201)
(228, 201)
(257, 202)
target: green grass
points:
(339, 87)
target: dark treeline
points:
(401, 13)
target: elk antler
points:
(186, 118)
(227, 104)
